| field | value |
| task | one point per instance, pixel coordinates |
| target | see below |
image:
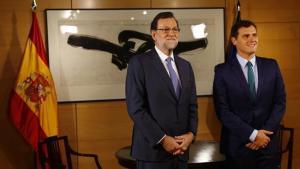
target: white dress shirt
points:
(163, 58)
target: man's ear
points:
(233, 40)
(153, 34)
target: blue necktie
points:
(173, 77)
(251, 82)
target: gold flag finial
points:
(33, 5)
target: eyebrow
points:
(247, 34)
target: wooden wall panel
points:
(280, 41)
(104, 127)
(274, 11)
(18, 5)
(15, 18)
(105, 149)
(290, 118)
(292, 85)
(282, 50)
(13, 30)
(55, 4)
(103, 120)
(208, 125)
(187, 3)
(93, 4)
(67, 122)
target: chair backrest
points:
(286, 141)
(55, 152)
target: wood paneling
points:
(54, 4)
(105, 149)
(283, 50)
(280, 41)
(103, 120)
(15, 17)
(290, 118)
(94, 4)
(104, 127)
(13, 30)
(9, 60)
(208, 125)
(274, 11)
(187, 3)
(67, 120)
(9, 6)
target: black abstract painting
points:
(122, 52)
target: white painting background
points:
(80, 74)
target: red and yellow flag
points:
(33, 104)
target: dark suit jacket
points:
(239, 117)
(154, 108)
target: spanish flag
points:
(33, 104)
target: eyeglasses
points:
(168, 30)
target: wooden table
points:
(203, 155)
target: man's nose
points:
(252, 38)
(172, 33)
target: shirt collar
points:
(163, 56)
(243, 62)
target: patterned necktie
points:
(251, 82)
(173, 77)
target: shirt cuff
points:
(161, 139)
(253, 135)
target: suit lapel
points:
(236, 68)
(261, 76)
(162, 72)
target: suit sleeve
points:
(279, 102)
(136, 98)
(193, 107)
(228, 118)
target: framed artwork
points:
(89, 50)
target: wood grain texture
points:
(94, 4)
(187, 3)
(104, 127)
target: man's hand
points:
(252, 146)
(184, 141)
(170, 144)
(262, 139)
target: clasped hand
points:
(178, 144)
(262, 139)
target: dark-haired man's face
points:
(246, 42)
(166, 36)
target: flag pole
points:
(37, 151)
(231, 50)
(238, 12)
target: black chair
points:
(286, 141)
(56, 152)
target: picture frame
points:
(89, 49)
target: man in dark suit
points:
(249, 99)
(161, 100)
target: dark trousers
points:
(253, 160)
(173, 163)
